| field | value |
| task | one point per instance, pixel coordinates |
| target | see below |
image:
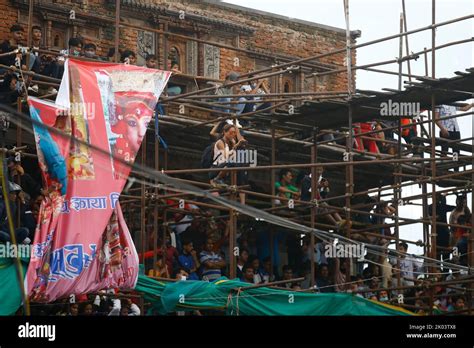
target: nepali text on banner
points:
(82, 243)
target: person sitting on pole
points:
(449, 129)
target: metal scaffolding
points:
(280, 127)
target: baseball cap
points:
(13, 187)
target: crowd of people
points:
(200, 251)
(101, 304)
(24, 202)
(196, 246)
(378, 137)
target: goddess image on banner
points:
(82, 243)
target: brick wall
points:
(273, 35)
(8, 16)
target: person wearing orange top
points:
(161, 269)
(408, 132)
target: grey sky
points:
(380, 18)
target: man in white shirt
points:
(449, 129)
(410, 267)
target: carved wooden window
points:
(56, 40)
(59, 38)
(288, 83)
(211, 61)
(192, 57)
(145, 46)
(174, 59)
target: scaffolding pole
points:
(314, 189)
(433, 140)
(397, 192)
(350, 140)
(430, 239)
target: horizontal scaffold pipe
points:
(311, 165)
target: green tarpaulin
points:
(10, 292)
(223, 294)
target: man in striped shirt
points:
(211, 262)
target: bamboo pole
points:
(235, 117)
(314, 188)
(298, 61)
(328, 164)
(350, 140)
(405, 25)
(272, 183)
(143, 239)
(155, 207)
(289, 94)
(470, 248)
(117, 30)
(403, 127)
(433, 140)
(433, 163)
(368, 43)
(392, 61)
(397, 192)
(232, 233)
(354, 210)
(30, 24)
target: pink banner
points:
(82, 243)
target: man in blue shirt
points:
(188, 260)
(323, 282)
(211, 262)
(247, 273)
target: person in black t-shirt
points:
(16, 38)
(442, 209)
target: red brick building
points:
(264, 39)
(270, 38)
(200, 39)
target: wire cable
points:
(157, 176)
